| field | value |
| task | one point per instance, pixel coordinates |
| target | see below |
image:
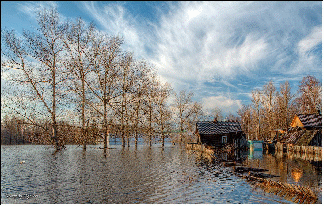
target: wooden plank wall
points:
(313, 153)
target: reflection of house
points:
(276, 134)
(305, 130)
(219, 133)
(296, 174)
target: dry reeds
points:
(295, 193)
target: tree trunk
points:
(83, 113)
(54, 125)
(150, 128)
(105, 123)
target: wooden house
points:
(220, 133)
(305, 130)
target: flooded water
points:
(31, 174)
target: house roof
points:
(310, 120)
(299, 136)
(211, 127)
(293, 134)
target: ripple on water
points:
(129, 175)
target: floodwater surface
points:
(142, 174)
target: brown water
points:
(135, 175)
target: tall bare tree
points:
(310, 99)
(150, 106)
(245, 114)
(77, 41)
(285, 105)
(268, 103)
(139, 92)
(105, 58)
(38, 56)
(163, 111)
(256, 104)
(127, 81)
(182, 104)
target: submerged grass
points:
(295, 193)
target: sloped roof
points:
(211, 127)
(293, 135)
(306, 138)
(299, 136)
(310, 120)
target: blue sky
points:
(218, 50)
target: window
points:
(224, 139)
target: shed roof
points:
(310, 120)
(212, 127)
(299, 136)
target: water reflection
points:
(284, 169)
(139, 175)
(255, 154)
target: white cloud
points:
(197, 42)
(204, 41)
(308, 59)
(116, 20)
(311, 40)
(226, 104)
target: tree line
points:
(272, 110)
(71, 83)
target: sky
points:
(220, 51)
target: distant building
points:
(305, 130)
(220, 133)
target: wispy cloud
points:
(309, 53)
(216, 42)
(310, 41)
(224, 44)
(33, 7)
(116, 20)
(208, 41)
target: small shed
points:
(305, 130)
(220, 133)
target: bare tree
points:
(217, 114)
(182, 104)
(285, 105)
(245, 114)
(194, 115)
(256, 104)
(38, 57)
(163, 111)
(268, 103)
(77, 41)
(310, 92)
(150, 105)
(139, 92)
(105, 58)
(231, 117)
(127, 80)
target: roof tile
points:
(208, 127)
(311, 120)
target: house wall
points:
(296, 122)
(317, 139)
(216, 140)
